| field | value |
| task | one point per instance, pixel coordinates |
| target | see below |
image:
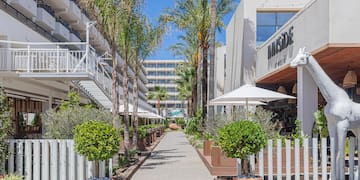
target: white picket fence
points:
(47, 159)
(314, 159)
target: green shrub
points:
(60, 124)
(142, 131)
(240, 139)
(321, 123)
(6, 128)
(193, 126)
(180, 121)
(13, 177)
(96, 140)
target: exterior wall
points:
(310, 29)
(220, 73)
(155, 80)
(241, 49)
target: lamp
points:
(294, 89)
(350, 79)
(282, 89)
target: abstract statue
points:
(341, 112)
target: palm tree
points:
(195, 14)
(212, 60)
(146, 40)
(158, 94)
(185, 82)
(188, 49)
(108, 24)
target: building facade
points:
(48, 48)
(162, 73)
(264, 36)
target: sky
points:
(153, 9)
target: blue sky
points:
(153, 9)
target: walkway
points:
(174, 158)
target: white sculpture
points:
(341, 112)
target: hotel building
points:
(263, 36)
(162, 73)
(49, 47)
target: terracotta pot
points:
(2, 176)
(173, 126)
(249, 178)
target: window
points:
(161, 65)
(171, 89)
(152, 73)
(170, 65)
(178, 105)
(150, 65)
(267, 23)
(161, 73)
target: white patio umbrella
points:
(236, 103)
(131, 109)
(250, 93)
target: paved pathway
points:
(174, 158)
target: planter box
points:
(207, 147)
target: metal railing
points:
(43, 58)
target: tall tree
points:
(188, 49)
(212, 61)
(189, 14)
(128, 15)
(185, 83)
(105, 12)
(158, 94)
(146, 40)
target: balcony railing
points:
(55, 60)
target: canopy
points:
(238, 103)
(141, 112)
(250, 93)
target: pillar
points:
(307, 100)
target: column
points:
(307, 100)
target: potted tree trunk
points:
(239, 140)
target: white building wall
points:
(311, 29)
(220, 58)
(14, 30)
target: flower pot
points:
(2, 176)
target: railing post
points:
(67, 61)
(57, 58)
(28, 58)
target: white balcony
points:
(27, 7)
(58, 4)
(48, 61)
(142, 76)
(81, 26)
(61, 32)
(74, 38)
(45, 20)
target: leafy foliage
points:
(6, 128)
(96, 140)
(321, 123)
(60, 124)
(13, 177)
(264, 119)
(242, 138)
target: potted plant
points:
(97, 141)
(239, 140)
(142, 132)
